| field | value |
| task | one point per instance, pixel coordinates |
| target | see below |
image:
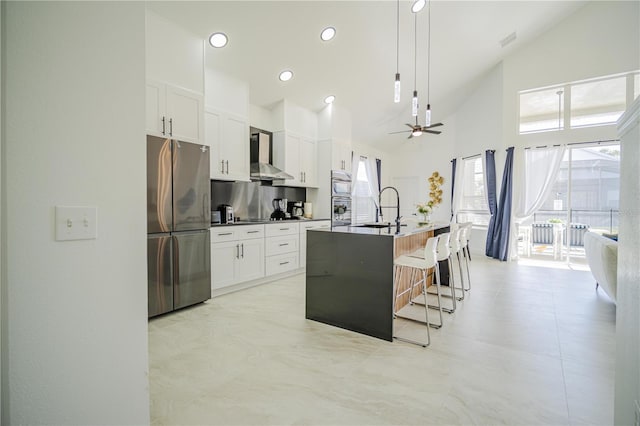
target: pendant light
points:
(427, 117)
(414, 101)
(396, 85)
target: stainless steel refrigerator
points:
(178, 222)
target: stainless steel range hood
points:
(261, 154)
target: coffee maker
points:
(226, 213)
(279, 206)
(295, 209)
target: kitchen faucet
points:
(397, 206)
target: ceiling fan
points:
(417, 130)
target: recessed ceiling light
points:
(328, 33)
(329, 99)
(285, 75)
(218, 39)
(418, 5)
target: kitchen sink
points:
(374, 225)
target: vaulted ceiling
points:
(358, 66)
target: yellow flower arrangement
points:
(435, 194)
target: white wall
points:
(3, 394)
(226, 93)
(418, 158)
(260, 117)
(628, 292)
(599, 39)
(173, 54)
(76, 325)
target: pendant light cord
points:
(429, 54)
(415, 51)
(398, 37)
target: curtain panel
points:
(498, 247)
(453, 183)
(535, 172)
(491, 193)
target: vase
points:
(426, 217)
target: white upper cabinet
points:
(340, 155)
(174, 112)
(295, 155)
(334, 130)
(227, 125)
(294, 144)
(175, 81)
(228, 137)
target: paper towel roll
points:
(308, 210)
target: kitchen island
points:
(349, 278)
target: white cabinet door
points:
(309, 162)
(156, 103)
(286, 156)
(234, 147)
(228, 137)
(212, 132)
(185, 112)
(174, 112)
(341, 156)
(223, 264)
(251, 263)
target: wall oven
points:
(340, 198)
(340, 184)
(340, 211)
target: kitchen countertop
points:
(264, 222)
(406, 229)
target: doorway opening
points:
(584, 197)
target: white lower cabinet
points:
(237, 255)
(281, 247)
(281, 263)
(303, 237)
(241, 253)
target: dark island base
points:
(349, 282)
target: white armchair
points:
(602, 257)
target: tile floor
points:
(529, 345)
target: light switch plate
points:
(76, 223)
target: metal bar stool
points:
(469, 226)
(418, 265)
(443, 252)
(456, 247)
(464, 248)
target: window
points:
(598, 102)
(364, 206)
(473, 203)
(595, 102)
(541, 110)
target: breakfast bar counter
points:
(349, 278)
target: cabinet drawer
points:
(248, 232)
(221, 234)
(280, 245)
(281, 263)
(314, 225)
(274, 230)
